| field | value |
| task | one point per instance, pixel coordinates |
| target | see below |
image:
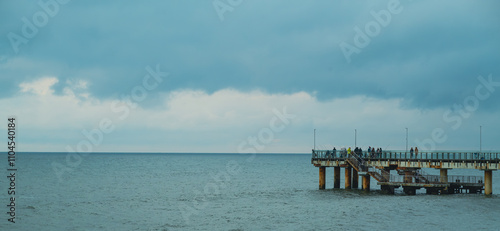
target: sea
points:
(153, 191)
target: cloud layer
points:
(65, 70)
(197, 121)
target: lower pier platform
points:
(433, 188)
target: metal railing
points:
(435, 179)
(396, 155)
(329, 154)
(465, 179)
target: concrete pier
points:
(348, 174)
(336, 177)
(409, 167)
(355, 179)
(322, 174)
(488, 182)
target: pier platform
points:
(393, 169)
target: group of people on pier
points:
(343, 152)
(412, 150)
(372, 152)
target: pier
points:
(394, 169)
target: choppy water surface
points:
(223, 192)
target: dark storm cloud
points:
(430, 54)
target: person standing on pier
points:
(349, 151)
(416, 151)
(411, 152)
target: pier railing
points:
(396, 155)
(435, 179)
(466, 179)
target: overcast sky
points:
(250, 75)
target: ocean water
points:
(221, 192)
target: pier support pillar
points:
(443, 173)
(410, 190)
(355, 179)
(408, 177)
(488, 182)
(387, 189)
(366, 182)
(322, 171)
(348, 171)
(336, 177)
(443, 178)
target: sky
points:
(241, 76)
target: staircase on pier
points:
(359, 165)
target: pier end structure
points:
(379, 167)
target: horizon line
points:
(115, 152)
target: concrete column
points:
(355, 179)
(408, 177)
(366, 182)
(336, 177)
(348, 177)
(322, 174)
(433, 191)
(387, 189)
(488, 177)
(410, 190)
(443, 173)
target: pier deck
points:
(409, 167)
